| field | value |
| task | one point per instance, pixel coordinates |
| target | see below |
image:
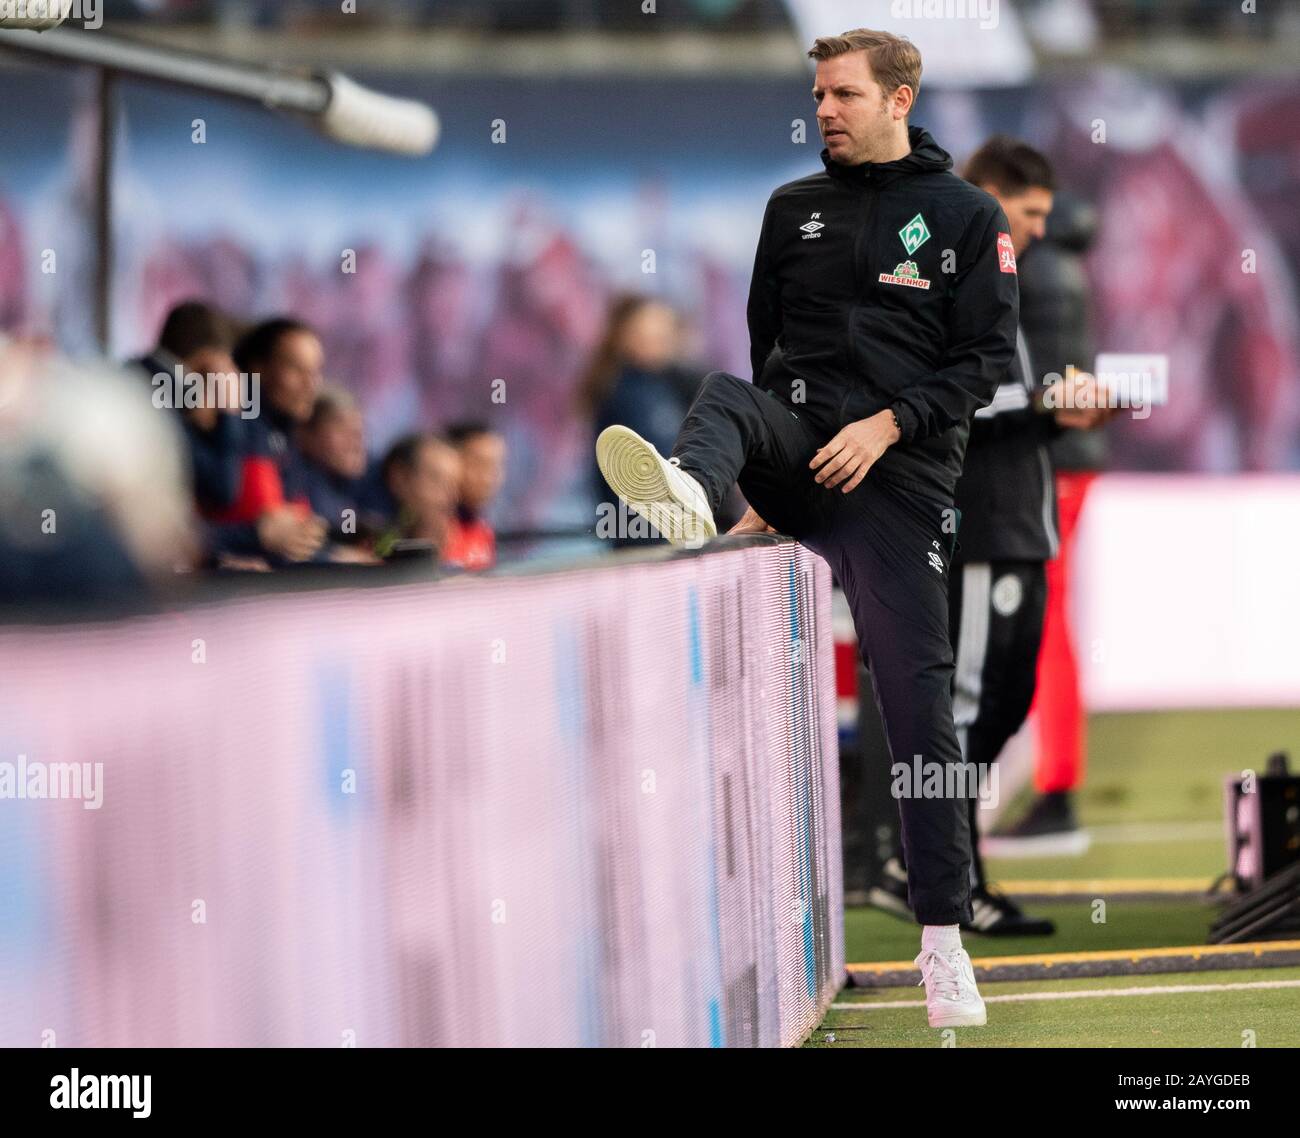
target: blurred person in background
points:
(284, 357)
(471, 543)
(198, 338)
(94, 502)
(634, 379)
(1056, 318)
(333, 442)
(422, 473)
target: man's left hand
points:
(1081, 402)
(851, 453)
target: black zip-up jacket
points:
(886, 285)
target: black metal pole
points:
(308, 94)
(331, 103)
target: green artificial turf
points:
(1212, 1019)
(871, 935)
(1153, 800)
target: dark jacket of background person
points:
(373, 495)
(1006, 492)
(86, 561)
(634, 379)
(1056, 316)
(652, 403)
(93, 501)
(272, 471)
(215, 455)
(216, 459)
(330, 494)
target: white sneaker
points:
(951, 998)
(655, 487)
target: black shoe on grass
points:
(889, 891)
(995, 914)
(1049, 829)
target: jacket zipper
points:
(859, 240)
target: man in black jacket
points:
(882, 315)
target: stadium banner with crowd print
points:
(597, 805)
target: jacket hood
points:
(927, 157)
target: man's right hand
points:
(286, 532)
(751, 523)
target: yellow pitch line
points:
(1111, 886)
(1195, 951)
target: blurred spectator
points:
(634, 379)
(92, 484)
(283, 358)
(197, 339)
(334, 444)
(422, 472)
(471, 543)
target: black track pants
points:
(889, 547)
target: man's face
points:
(1027, 212)
(649, 337)
(428, 490)
(339, 443)
(856, 119)
(292, 375)
(482, 466)
(217, 361)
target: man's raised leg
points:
(738, 433)
(732, 432)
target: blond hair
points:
(895, 61)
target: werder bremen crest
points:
(914, 234)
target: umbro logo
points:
(811, 227)
(936, 562)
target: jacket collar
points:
(926, 157)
